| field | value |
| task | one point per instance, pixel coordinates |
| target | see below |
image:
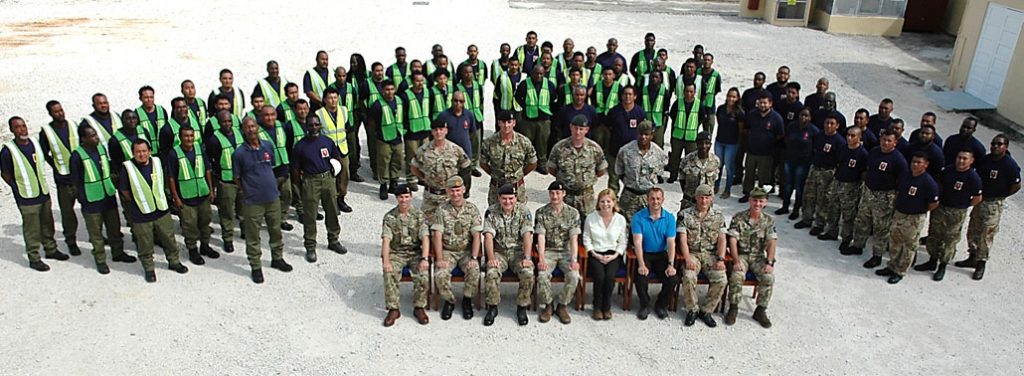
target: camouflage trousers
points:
(840, 208)
(430, 204)
(716, 282)
(562, 260)
(492, 280)
(492, 192)
(982, 228)
(874, 219)
(816, 198)
(906, 228)
(584, 202)
(420, 280)
(443, 277)
(630, 203)
(765, 281)
(945, 224)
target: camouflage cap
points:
(704, 190)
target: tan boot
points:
(563, 315)
(545, 315)
(607, 315)
(730, 317)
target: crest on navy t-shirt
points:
(853, 163)
(632, 123)
(912, 191)
(828, 148)
(465, 124)
(882, 166)
(993, 174)
(958, 186)
(324, 153)
(266, 157)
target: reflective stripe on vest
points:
(96, 179)
(279, 141)
(335, 129)
(201, 114)
(419, 119)
(681, 86)
(396, 73)
(430, 68)
(496, 71)
(115, 124)
(709, 94)
(148, 197)
(687, 128)
(152, 130)
(391, 120)
(289, 113)
(595, 72)
(176, 128)
(28, 176)
(521, 54)
(643, 63)
(227, 148)
(374, 93)
(473, 100)
(191, 178)
(61, 154)
(273, 97)
(479, 72)
(657, 111)
(441, 100)
(533, 103)
(508, 101)
(126, 143)
(237, 104)
(317, 82)
(604, 104)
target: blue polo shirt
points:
(655, 233)
(851, 164)
(915, 193)
(955, 143)
(254, 170)
(459, 127)
(313, 154)
(763, 132)
(826, 150)
(7, 166)
(958, 187)
(997, 175)
(884, 170)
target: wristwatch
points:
(423, 259)
(720, 258)
(771, 262)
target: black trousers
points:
(656, 263)
(603, 276)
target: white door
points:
(992, 57)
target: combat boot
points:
(467, 308)
(823, 236)
(102, 268)
(707, 319)
(421, 315)
(940, 273)
(521, 317)
(150, 276)
(257, 276)
(844, 246)
(124, 257)
(563, 315)
(194, 257)
(691, 318)
(970, 262)
(492, 312)
(730, 316)
(446, 310)
(382, 193)
(39, 266)
(928, 266)
(181, 269)
(74, 250)
(393, 314)
(545, 315)
(206, 250)
(872, 262)
(762, 318)
(979, 271)
(805, 224)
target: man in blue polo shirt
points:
(916, 195)
(1000, 178)
(654, 238)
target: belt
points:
(638, 192)
(436, 191)
(319, 174)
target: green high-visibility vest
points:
(479, 73)
(271, 96)
(681, 87)
(152, 130)
(497, 71)
(227, 147)
(552, 74)
(536, 104)
(191, 177)
(686, 125)
(441, 100)
(429, 68)
(126, 143)
(374, 93)
(391, 121)
(297, 132)
(201, 114)
(508, 91)
(148, 197)
(237, 101)
(236, 124)
(334, 127)
(521, 54)
(176, 127)
(473, 99)
(289, 113)
(348, 100)
(568, 88)
(318, 84)
(115, 124)
(396, 74)
(280, 143)
(98, 185)
(643, 65)
(655, 110)
(595, 73)
(419, 118)
(61, 154)
(708, 100)
(28, 174)
(604, 104)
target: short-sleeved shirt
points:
(270, 133)
(959, 187)
(638, 170)
(695, 171)
(508, 228)
(125, 185)
(7, 166)
(214, 151)
(884, 170)
(955, 143)
(914, 193)
(457, 225)
(870, 140)
(728, 125)
(818, 117)
(914, 135)
(826, 150)
(701, 233)
(800, 143)
(77, 169)
(507, 161)
(407, 103)
(312, 155)
(459, 127)
(998, 175)
(254, 170)
(790, 111)
(557, 227)
(577, 168)
(851, 164)
(656, 233)
(438, 165)
(44, 143)
(876, 124)
(564, 118)
(752, 237)
(405, 231)
(764, 130)
(174, 166)
(623, 124)
(749, 98)
(936, 161)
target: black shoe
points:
(465, 195)
(206, 250)
(744, 199)
(57, 255)
(319, 216)
(826, 236)
(476, 173)
(923, 240)
(311, 256)
(940, 273)
(783, 210)
(124, 257)
(969, 262)
(257, 276)
(929, 266)
(343, 206)
(894, 279)
(414, 187)
(467, 308)
(281, 265)
(795, 214)
(521, 318)
(708, 319)
(151, 276)
(382, 193)
(643, 313)
(843, 246)
(671, 179)
(762, 317)
(873, 261)
(446, 310)
(856, 251)
(691, 318)
(337, 247)
(815, 231)
(979, 271)
(241, 235)
(229, 247)
(542, 171)
(661, 180)
(195, 258)
(102, 268)
(805, 224)
(73, 249)
(885, 272)
(356, 178)
(492, 312)
(286, 226)
(181, 269)
(39, 266)
(301, 218)
(661, 312)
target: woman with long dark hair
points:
(729, 117)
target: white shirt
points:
(598, 238)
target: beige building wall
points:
(878, 26)
(1011, 101)
(747, 13)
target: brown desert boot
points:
(393, 314)
(421, 316)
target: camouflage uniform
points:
(903, 243)
(437, 166)
(984, 225)
(405, 233)
(558, 229)
(874, 218)
(458, 226)
(507, 162)
(702, 240)
(639, 173)
(752, 240)
(694, 171)
(578, 169)
(945, 225)
(816, 196)
(508, 231)
(841, 213)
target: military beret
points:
(704, 190)
(402, 189)
(438, 123)
(507, 189)
(504, 115)
(758, 193)
(556, 186)
(454, 182)
(645, 127)
(704, 136)
(580, 121)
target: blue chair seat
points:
(457, 272)
(406, 272)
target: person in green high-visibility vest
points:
(236, 99)
(536, 97)
(398, 71)
(272, 87)
(142, 187)
(90, 169)
(219, 148)
(603, 97)
(348, 95)
(440, 93)
(416, 102)
(642, 62)
(196, 106)
(476, 66)
(152, 117)
(685, 115)
(500, 65)
(286, 109)
(257, 101)
(369, 93)
(316, 80)
(58, 141)
(591, 64)
(192, 190)
(474, 92)
(711, 85)
(438, 60)
(180, 118)
(387, 115)
(505, 88)
(655, 98)
(21, 166)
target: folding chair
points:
(457, 276)
(632, 267)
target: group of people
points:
(573, 115)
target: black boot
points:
(979, 271)
(492, 312)
(521, 317)
(206, 250)
(783, 210)
(970, 262)
(795, 214)
(343, 206)
(940, 273)
(873, 261)
(194, 257)
(73, 249)
(928, 266)
(446, 310)
(691, 318)
(39, 266)
(382, 193)
(844, 246)
(467, 308)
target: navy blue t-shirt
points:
(819, 117)
(566, 113)
(749, 98)
(763, 132)
(958, 187)
(7, 166)
(800, 143)
(77, 170)
(955, 143)
(623, 124)
(459, 128)
(728, 125)
(790, 111)
(125, 184)
(826, 150)
(937, 140)
(852, 164)
(868, 139)
(254, 170)
(997, 175)
(313, 154)
(915, 193)
(936, 162)
(884, 170)
(876, 124)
